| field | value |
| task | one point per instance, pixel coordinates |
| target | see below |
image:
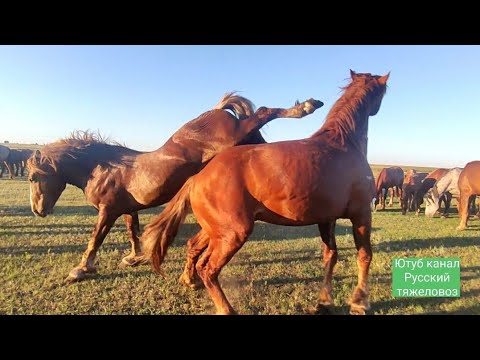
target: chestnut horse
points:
(311, 181)
(388, 178)
(120, 181)
(411, 185)
(468, 185)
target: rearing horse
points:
(120, 181)
(311, 181)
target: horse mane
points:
(85, 148)
(341, 121)
(241, 107)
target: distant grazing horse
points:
(388, 178)
(4, 152)
(13, 163)
(411, 185)
(447, 184)
(120, 181)
(25, 154)
(427, 184)
(469, 185)
(311, 181)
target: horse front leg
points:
(264, 115)
(361, 233)
(10, 168)
(87, 266)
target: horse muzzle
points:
(42, 213)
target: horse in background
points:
(25, 154)
(13, 163)
(119, 181)
(447, 184)
(316, 180)
(389, 178)
(427, 184)
(411, 184)
(469, 186)
(4, 152)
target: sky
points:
(140, 95)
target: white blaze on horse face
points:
(431, 206)
(31, 198)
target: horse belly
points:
(471, 174)
(298, 208)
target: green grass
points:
(278, 271)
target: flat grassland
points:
(278, 271)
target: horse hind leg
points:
(463, 203)
(133, 229)
(390, 203)
(220, 250)
(361, 234)
(195, 247)
(330, 256)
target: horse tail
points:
(161, 231)
(240, 106)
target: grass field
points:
(278, 271)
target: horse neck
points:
(73, 175)
(184, 150)
(346, 125)
(379, 183)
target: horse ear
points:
(383, 79)
(352, 74)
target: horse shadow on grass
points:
(406, 302)
(52, 249)
(418, 244)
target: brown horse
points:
(469, 186)
(411, 185)
(388, 178)
(120, 181)
(311, 181)
(427, 184)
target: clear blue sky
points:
(140, 95)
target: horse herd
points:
(440, 185)
(14, 160)
(219, 167)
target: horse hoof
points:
(132, 261)
(194, 284)
(460, 228)
(323, 309)
(357, 309)
(75, 275)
